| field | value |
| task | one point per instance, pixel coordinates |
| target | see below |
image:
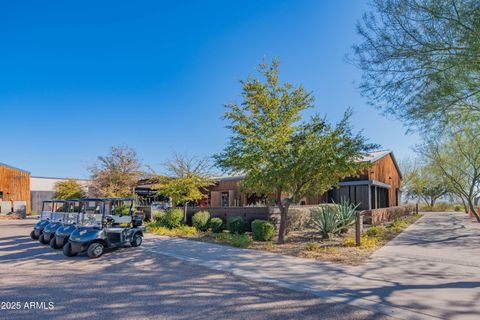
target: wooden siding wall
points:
(15, 185)
(384, 170)
(236, 197)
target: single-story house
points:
(377, 187)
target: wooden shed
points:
(14, 186)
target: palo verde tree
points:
(280, 154)
(116, 174)
(421, 60)
(184, 179)
(69, 189)
(456, 156)
(424, 182)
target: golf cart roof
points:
(106, 199)
(55, 200)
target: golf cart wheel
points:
(41, 239)
(33, 236)
(95, 250)
(136, 241)
(67, 250)
(53, 243)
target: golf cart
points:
(56, 219)
(70, 220)
(45, 217)
(105, 223)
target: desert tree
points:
(279, 153)
(117, 173)
(421, 60)
(456, 156)
(184, 179)
(68, 189)
(423, 182)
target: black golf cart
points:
(105, 223)
(70, 221)
(56, 218)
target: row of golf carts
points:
(88, 225)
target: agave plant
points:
(346, 215)
(326, 220)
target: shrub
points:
(200, 220)
(181, 231)
(235, 240)
(366, 242)
(216, 224)
(240, 240)
(350, 242)
(298, 219)
(346, 215)
(173, 218)
(236, 225)
(312, 246)
(262, 230)
(398, 225)
(325, 220)
(159, 216)
(376, 231)
(122, 210)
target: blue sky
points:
(79, 76)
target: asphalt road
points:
(133, 283)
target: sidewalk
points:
(431, 271)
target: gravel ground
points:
(131, 283)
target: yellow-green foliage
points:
(235, 240)
(181, 231)
(312, 246)
(349, 242)
(399, 225)
(200, 220)
(376, 231)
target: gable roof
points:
(377, 155)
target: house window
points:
(1, 195)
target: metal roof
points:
(370, 157)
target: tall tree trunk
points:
(472, 209)
(432, 202)
(283, 216)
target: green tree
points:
(116, 174)
(278, 152)
(421, 60)
(185, 179)
(456, 156)
(422, 181)
(69, 189)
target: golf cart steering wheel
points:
(109, 219)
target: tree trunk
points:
(472, 209)
(283, 224)
(432, 202)
(283, 217)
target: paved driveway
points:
(432, 270)
(138, 283)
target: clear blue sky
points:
(79, 76)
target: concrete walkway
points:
(432, 270)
